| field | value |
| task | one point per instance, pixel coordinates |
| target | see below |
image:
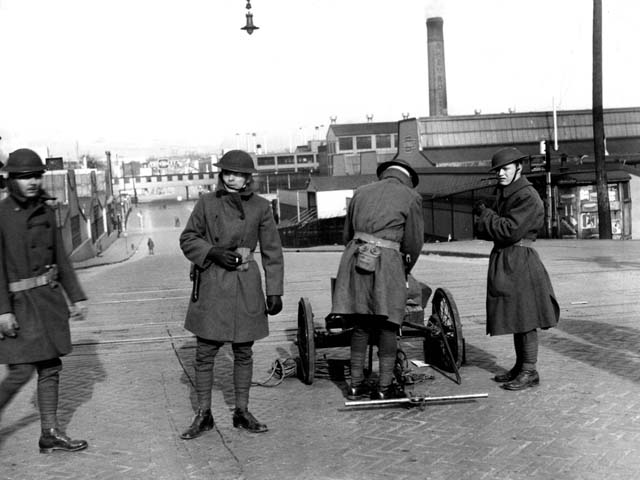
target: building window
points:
(345, 143)
(363, 142)
(305, 159)
(264, 161)
(383, 141)
(286, 160)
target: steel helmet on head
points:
(236, 161)
(24, 160)
(506, 156)
(399, 163)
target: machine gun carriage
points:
(441, 332)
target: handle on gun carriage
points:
(415, 400)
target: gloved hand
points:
(225, 258)
(479, 207)
(8, 325)
(274, 304)
(79, 311)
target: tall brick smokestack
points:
(437, 76)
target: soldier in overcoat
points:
(228, 301)
(384, 234)
(520, 297)
(35, 276)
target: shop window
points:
(625, 191)
(589, 220)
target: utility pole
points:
(604, 214)
(548, 200)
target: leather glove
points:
(79, 311)
(225, 258)
(8, 325)
(274, 304)
(479, 207)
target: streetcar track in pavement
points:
(138, 292)
(137, 300)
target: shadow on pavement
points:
(76, 388)
(77, 381)
(607, 261)
(611, 348)
(25, 421)
(482, 359)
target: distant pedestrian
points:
(150, 246)
(34, 316)
(520, 297)
(384, 234)
(176, 222)
(227, 302)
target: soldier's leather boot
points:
(508, 376)
(202, 422)
(525, 379)
(53, 439)
(388, 392)
(358, 391)
(244, 419)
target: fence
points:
(313, 233)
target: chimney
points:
(437, 77)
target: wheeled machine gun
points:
(443, 343)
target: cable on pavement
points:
(280, 369)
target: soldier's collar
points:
(515, 186)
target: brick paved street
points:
(126, 388)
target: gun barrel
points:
(416, 400)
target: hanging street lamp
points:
(249, 27)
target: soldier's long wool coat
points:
(29, 241)
(520, 296)
(388, 209)
(231, 304)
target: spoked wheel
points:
(444, 344)
(306, 341)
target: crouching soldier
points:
(384, 234)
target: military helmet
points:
(236, 161)
(506, 156)
(24, 160)
(399, 163)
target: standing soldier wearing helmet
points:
(520, 296)
(384, 234)
(228, 303)
(34, 315)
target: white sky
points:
(138, 76)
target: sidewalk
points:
(120, 250)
